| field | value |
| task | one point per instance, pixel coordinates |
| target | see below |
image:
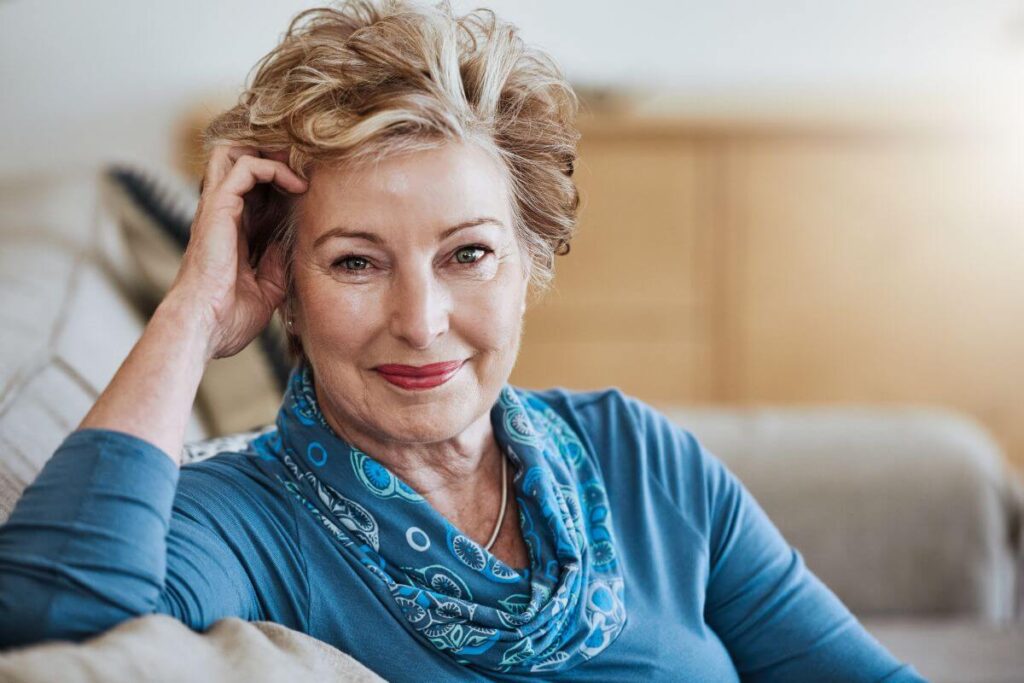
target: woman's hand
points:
(233, 301)
(216, 305)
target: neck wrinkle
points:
(453, 475)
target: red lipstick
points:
(420, 377)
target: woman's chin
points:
(426, 428)
(430, 421)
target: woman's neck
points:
(454, 475)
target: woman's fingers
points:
(222, 159)
(216, 266)
(228, 199)
(280, 155)
(249, 170)
(236, 151)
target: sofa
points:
(909, 513)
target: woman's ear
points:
(287, 312)
(270, 276)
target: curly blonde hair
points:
(361, 80)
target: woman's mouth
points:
(420, 377)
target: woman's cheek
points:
(486, 297)
(494, 309)
(340, 310)
(486, 271)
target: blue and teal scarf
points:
(444, 587)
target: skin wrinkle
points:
(415, 304)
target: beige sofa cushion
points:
(65, 326)
(900, 510)
(955, 650)
(159, 648)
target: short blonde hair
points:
(361, 80)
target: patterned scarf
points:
(441, 585)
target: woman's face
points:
(413, 261)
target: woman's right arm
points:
(86, 546)
(215, 307)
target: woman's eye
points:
(470, 254)
(352, 263)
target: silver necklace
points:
(504, 502)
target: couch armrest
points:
(900, 510)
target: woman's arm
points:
(777, 619)
(152, 393)
(216, 306)
(104, 535)
(87, 545)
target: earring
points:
(290, 323)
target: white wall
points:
(86, 81)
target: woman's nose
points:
(419, 309)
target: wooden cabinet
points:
(788, 265)
(630, 303)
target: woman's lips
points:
(421, 377)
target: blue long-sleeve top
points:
(112, 529)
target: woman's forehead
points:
(427, 190)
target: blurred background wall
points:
(783, 202)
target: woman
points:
(400, 177)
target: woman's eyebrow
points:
(342, 231)
(471, 223)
